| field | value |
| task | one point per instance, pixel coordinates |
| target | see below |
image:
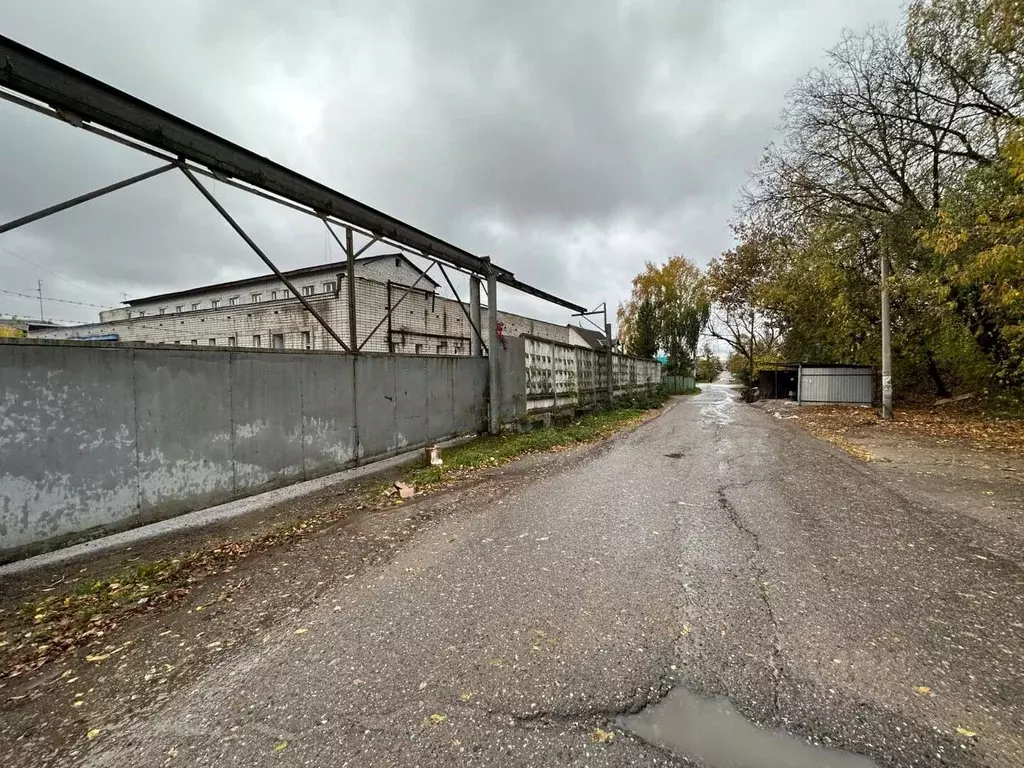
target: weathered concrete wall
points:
(95, 438)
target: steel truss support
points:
(350, 280)
(88, 103)
(476, 348)
(493, 377)
(392, 309)
(266, 260)
(42, 214)
(474, 326)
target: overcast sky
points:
(571, 140)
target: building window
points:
(180, 308)
(231, 341)
(419, 349)
(195, 341)
(195, 306)
(308, 290)
(256, 340)
(215, 303)
(398, 261)
(257, 298)
(213, 342)
(163, 310)
(232, 301)
(277, 340)
(329, 287)
(305, 340)
(273, 295)
(177, 342)
(142, 313)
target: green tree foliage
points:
(643, 337)
(709, 365)
(906, 146)
(675, 291)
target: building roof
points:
(334, 266)
(593, 337)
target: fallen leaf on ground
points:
(923, 690)
(281, 746)
(601, 736)
(967, 732)
(92, 734)
(97, 656)
(301, 630)
(437, 718)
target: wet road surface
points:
(714, 551)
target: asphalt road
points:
(714, 550)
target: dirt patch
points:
(961, 427)
(952, 459)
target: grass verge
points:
(493, 451)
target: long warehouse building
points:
(262, 312)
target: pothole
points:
(713, 733)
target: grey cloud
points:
(571, 141)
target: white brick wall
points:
(422, 323)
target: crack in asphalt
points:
(761, 574)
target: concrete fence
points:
(97, 437)
(560, 375)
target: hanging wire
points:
(47, 298)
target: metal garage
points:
(818, 383)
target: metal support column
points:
(350, 255)
(609, 362)
(476, 349)
(494, 385)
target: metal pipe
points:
(42, 214)
(462, 306)
(260, 179)
(266, 260)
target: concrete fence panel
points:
(185, 445)
(100, 437)
(67, 441)
(328, 415)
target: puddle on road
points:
(713, 732)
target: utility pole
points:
(886, 343)
(40, 284)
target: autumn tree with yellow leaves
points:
(667, 310)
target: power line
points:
(40, 266)
(23, 318)
(47, 298)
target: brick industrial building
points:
(261, 312)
